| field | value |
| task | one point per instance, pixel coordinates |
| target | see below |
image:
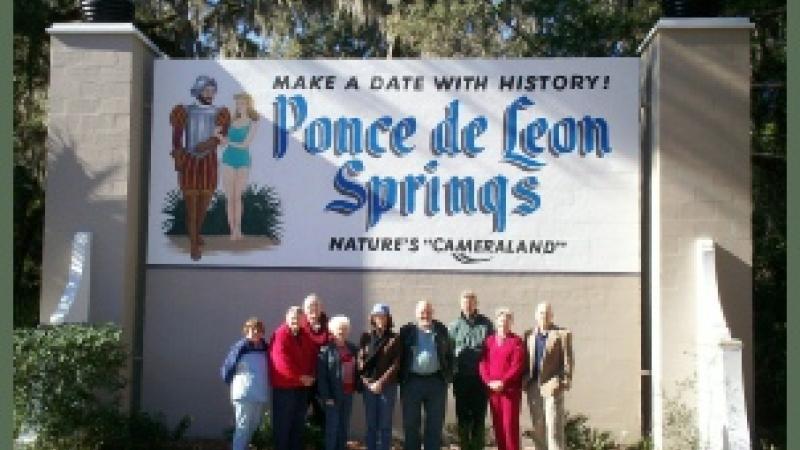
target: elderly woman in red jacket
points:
(292, 364)
(501, 368)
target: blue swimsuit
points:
(237, 157)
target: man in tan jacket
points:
(548, 374)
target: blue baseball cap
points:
(380, 308)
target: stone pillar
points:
(697, 182)
(98, 146)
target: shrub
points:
(580, 436)
(680, 429)
(262, 438)
(261, 214)
(67, 381)
(62, 373)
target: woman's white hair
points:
(504, 311)
(337, 321)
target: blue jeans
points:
(248, 418)
(428, 393)
(289, 408)
(337, 423)
(379, 409)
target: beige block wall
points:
(99, 102)
(699, 94)
(194, 315)
(97, 92)
(89, 138)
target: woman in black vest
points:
(379, 359)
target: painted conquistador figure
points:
(197, 131)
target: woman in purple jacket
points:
(337, 380)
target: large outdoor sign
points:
(490, 165)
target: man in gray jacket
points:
(468, 334)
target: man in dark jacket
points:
(426, 369)
(468, 334)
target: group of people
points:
(309, 363)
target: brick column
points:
(696, 159)
(98, 144)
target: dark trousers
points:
(317, 416)
(471, 404)
(337, 423)
(427, 393)
(289, 408)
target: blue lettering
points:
(432, 191)
(408, 191)
(474, 128)
(404, 129)
(562, 136)
(318, 135)
(535, 130)
(348, 135)
(382, 124)
(382, 198)
(592, 131)
(348, 188)
(524, 191)
(493, 201)
(281, 129)
(444, 138)
(460, 196)
(510, 136)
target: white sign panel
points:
(521, 165)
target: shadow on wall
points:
(735, 292)
(84, 195)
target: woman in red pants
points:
(501, 369)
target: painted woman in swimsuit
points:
(236, 159)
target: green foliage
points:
(262, 438)
(644, 444)
(61, 374)
(28, 222)
(261, 214)
(768, 147)
(520, 28)
(580, 436)
(67, 381)
(314, 436)
(680, 419)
